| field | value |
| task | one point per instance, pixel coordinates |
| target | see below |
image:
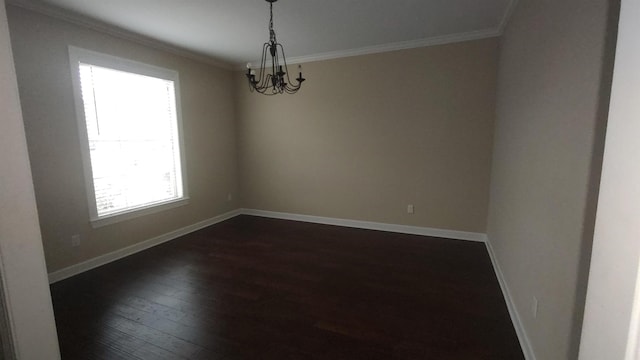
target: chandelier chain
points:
(272, 33)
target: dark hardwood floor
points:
(256, 288)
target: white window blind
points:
(133, 139)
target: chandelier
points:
(273, 77)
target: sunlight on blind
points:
(132, 130)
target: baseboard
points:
(130, 250)
(403, 229)
(513, 312)
(425, 231)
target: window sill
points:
(131, 214)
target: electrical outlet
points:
(410, 209)
(534, 307)
(229, 197)
(75, 240)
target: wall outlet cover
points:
(75, 240)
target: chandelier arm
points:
(263, 74)
(263, 70)
(257, 83)
(295, 87)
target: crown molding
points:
(402, 45)
(94, 24)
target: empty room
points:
(412, 180)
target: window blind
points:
(132, 131)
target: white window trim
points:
(77, 55)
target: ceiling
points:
(233, 31)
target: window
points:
(129, 125)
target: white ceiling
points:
(233, 31)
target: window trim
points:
(77, 55)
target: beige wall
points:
(24, 282)
(610, 331)
(551, 94)
(40, 45)
(368, 135)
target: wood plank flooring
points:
(256, 288)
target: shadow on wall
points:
(595, 174)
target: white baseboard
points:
(513, 312)
(403, 229)
(415, 230)
(130, 250)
